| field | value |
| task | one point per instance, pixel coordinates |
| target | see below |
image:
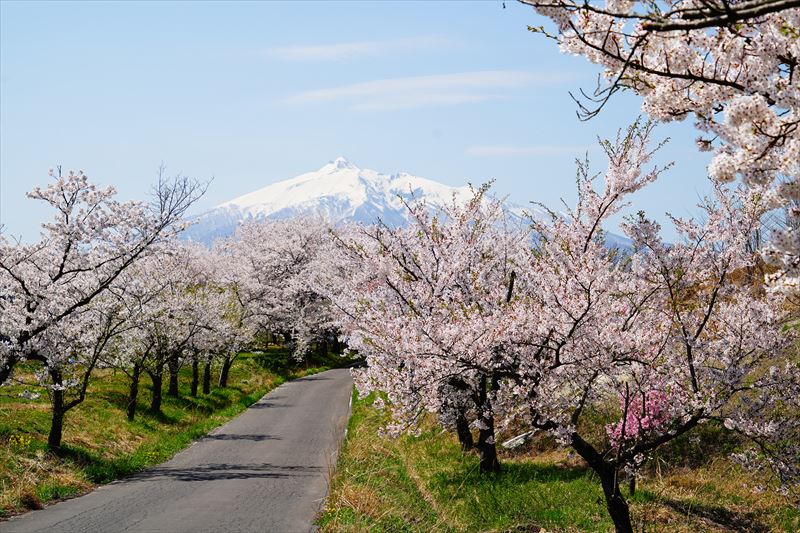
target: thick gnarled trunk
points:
(615, 502)
(609, 479)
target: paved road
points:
(265, 471)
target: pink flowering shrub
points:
(643, 413)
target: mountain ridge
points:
(342, 192)
(339, 190)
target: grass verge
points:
(99, 443)
(425, 483)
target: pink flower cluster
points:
(643, 413)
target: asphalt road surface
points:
(265, 471)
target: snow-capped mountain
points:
(340, 191)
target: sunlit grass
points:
(100, 444)
(425, 483)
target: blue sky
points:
(252, 93)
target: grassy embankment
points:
(426, 484)
(100, 445)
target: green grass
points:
(425, 483)
(99, 443)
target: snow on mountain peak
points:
(339, 191)
(343, 183)
(342, 162)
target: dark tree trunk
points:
(632, 483)
(133, 392)
(336, 345)
(615, 503)
(195, 376)
(56, 424)
(174, 369)
(223, 374)
(207, 377)
(157, 378)
(57, 420)
(7, 369)
(487, 449)
(609, 479)
(464, 433)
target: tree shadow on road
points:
(225, 471)
(270, 403)
(315, 377)
(237, 436)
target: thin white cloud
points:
(435, 90)
(354, 50)
(525, 151)
(391, 102)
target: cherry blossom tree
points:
(73, 349)
(670, 333)
(733, 66)
(133, 347)
(181, 307)
(181, 311)
(428, 307)
(90, 242)
(277, 261)
(230, 325)
(166, 312)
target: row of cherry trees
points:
(472, 315)
(110, 285)
(487, 324)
